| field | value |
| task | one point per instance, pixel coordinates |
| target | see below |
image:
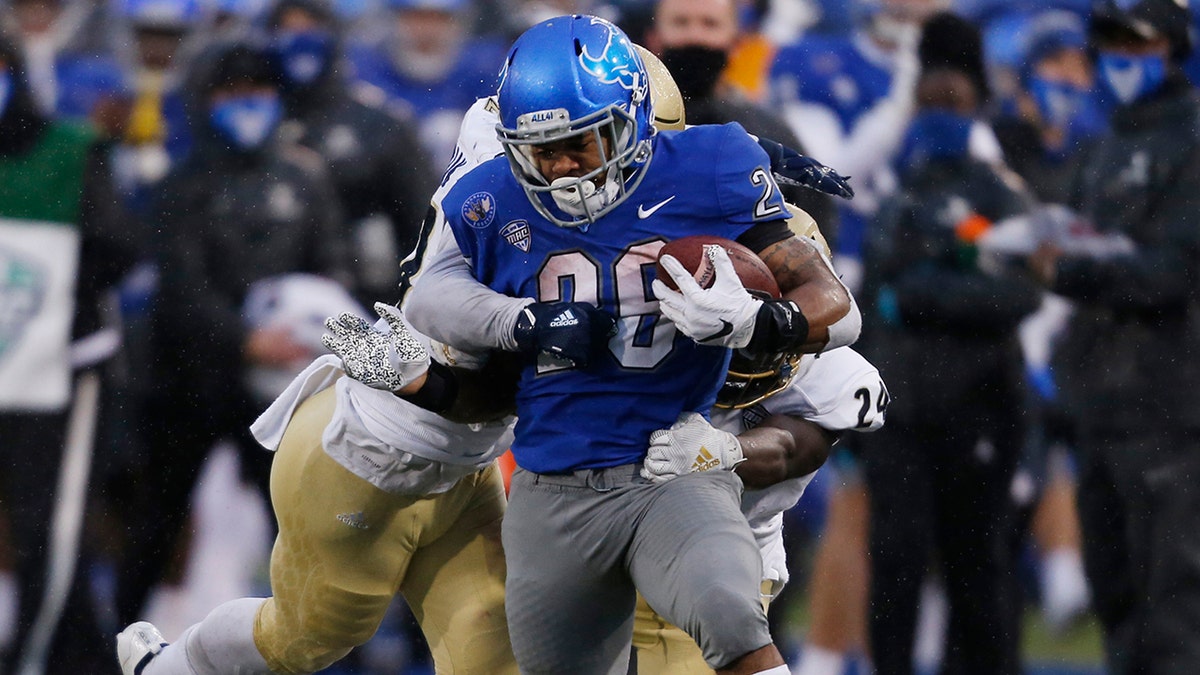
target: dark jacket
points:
(1049, 177)
(1130, 359)
(941, 330)
(225, 219)
(378, 167)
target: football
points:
(689, 251)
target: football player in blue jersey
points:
(553, 222)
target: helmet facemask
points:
(753, 379)
(615, 132)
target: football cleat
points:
(137, 645)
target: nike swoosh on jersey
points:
(644, 212)
(726, 329)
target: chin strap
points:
(581, 198)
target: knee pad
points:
(325, 634)
(728, 622)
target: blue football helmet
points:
(568, 76)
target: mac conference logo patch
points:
(517, 234)
(22, 291)
(479, 210)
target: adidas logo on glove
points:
(565, 320)
(705, 461)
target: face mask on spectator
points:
(1131, 78)
(696, 69)
(246, 122)
(936, 134)
(1068, 108)
(303, 55)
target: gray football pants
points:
(579, 545)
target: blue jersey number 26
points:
(644, 338)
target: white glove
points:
(691, 444)
(388, 361)
(722, 315)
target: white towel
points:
(385, 440)
(321, 374)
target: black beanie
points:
(950, 41)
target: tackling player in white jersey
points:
(785, 416)
(375, 495)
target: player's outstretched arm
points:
(449, 305)
(781, 448)
(393, 361)
(810, 287)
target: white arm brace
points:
(844, 331)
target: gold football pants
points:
(664, 649)
(345, 548)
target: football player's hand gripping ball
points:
(691, 444)
(391, 360)
(722, 315)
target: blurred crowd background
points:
(231, 172)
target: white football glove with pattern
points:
(389, 361)
(691, 444)
(722, 315)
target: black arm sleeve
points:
(762, 235)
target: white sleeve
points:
(844, 332)
(476, 144)
(477, 136)
(446, 302)
(847, 392)
(838, 390)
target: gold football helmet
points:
(665, 98)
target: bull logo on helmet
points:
(617, 64)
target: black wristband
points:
(439, 391)
(780, 326)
